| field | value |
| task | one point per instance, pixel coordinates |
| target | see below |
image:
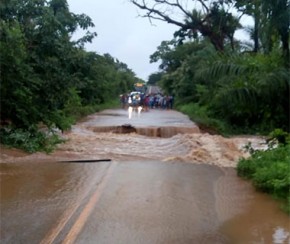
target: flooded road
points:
(166, 183)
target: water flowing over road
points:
(166, 183)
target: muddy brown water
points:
(170, 184)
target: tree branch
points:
(204, 5)
(154, 13)
(176, 4)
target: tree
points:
(247, 90)
(241, 89)
(253, 9)
(17, 86)
(212, 21)
(37, 55)
(271, 21)
(154, 78)
(278, 14)
(46, 78)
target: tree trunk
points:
(256, 31)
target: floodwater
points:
(166, 183)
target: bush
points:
(33, 140)
(280, 136)
(30, 140)
(273, 179)
(269, 171)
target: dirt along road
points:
(166, 183)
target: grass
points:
(200, 115)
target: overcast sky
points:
(123, 34)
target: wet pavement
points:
(155, 118)
(155, 190)
(157, 122)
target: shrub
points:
(30, 140)
(269, 171)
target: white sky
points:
(123, 34)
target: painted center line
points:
(79, 224)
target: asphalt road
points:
(130, 200)
(153, 90)
(110, 202)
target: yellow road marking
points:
(51, 235)
(78, 225)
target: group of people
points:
(149, 101)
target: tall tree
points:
(253, 9)
(37, 67)
(278, 14)
(212, 21)
(271, 23)
(154, 78)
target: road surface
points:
(138, 197)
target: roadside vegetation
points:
(200, 115)
(48, 79)
(43, 138)
(270, 170)
(236, 86)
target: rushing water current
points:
(162, 147)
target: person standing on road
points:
(124, 100)
(170, 102)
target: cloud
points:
(127, 37)
(123, 34)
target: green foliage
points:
(281, 136)
(46, 78)
(200, 115)
(154, 78)
(248, 89)
(30, 140)
(270, 171)
(248, 92)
